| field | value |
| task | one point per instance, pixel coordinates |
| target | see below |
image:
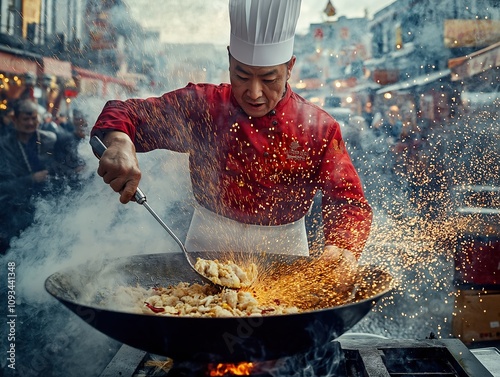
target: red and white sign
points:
(475, 63)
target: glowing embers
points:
(249, 368)
(230, 369)
(326, 361)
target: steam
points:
(87, 224)
(90, 223)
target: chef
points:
(258, 152)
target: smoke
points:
(86, 223)
(89, 223)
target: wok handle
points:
(99, 148)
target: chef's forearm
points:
(112, 137)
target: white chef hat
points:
(263, 31)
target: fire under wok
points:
(84, 289)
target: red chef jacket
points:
(262, 171)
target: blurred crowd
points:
(409, 165)
(38, 158)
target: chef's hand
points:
(118, 166)
(342, 258)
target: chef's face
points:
(258, 89)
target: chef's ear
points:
(289, 67)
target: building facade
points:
(46, 45)
(412, 44)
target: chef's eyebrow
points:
(268, 73)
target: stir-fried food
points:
(227, 274)
(200, 301)
(195, 300)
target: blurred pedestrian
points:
(66, 149)
(383, 189)
(389, 125)
(48, 124)
(80, 125)
(64, 122)
(367, 113)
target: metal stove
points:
(345, 357)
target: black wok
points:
(83, 289)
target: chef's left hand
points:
(342, 257)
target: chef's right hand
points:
(345, 264)
(342, 258)
(118, 165)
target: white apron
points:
(211, 232)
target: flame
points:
(225, 369)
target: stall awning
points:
(477, 62)
(418, 81)
(56, 67)
(15, 64)
(85, 73)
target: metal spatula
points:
(99, 148)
